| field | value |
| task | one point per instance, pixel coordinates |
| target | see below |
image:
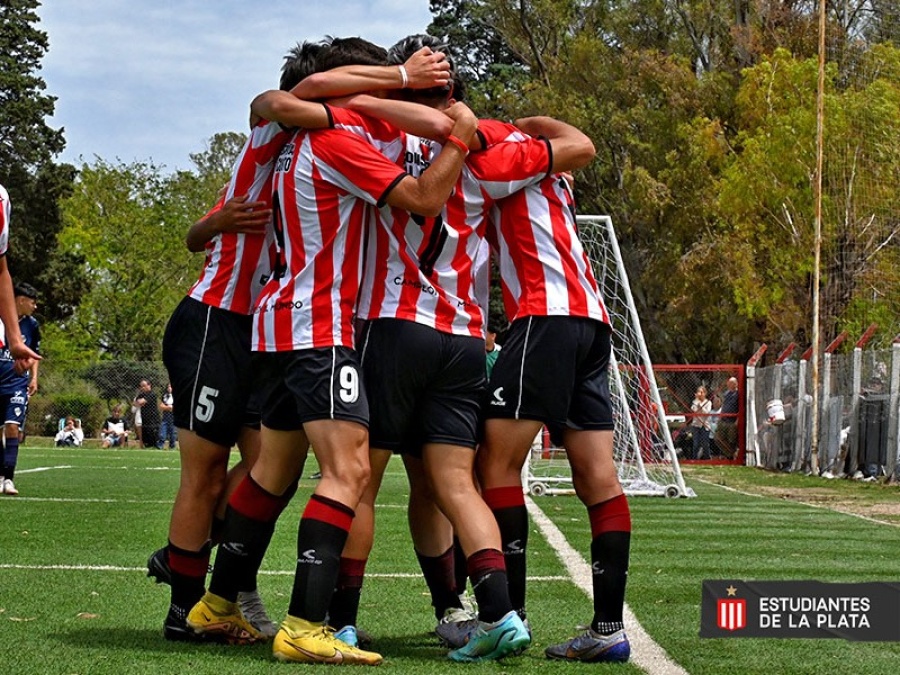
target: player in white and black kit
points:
(16, 388)
(553, 371)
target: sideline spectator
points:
(726, 432)
(136, 420)
(71, 434)
(700, 423)
(148, 413)
(167, 425)
(115, 430)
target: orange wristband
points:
(458, 143)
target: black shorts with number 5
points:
(206, 351)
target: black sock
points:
(460, 573)
(188, 574)
(344, 609)
(440, 579)
(321, 537)
(610, 545)
(488, 575)
(250, 519)
(508, 506)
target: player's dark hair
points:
(403, 49)
(300, 62)
(26, 290)
(351, 51)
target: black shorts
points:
(424, 386)
(206, 351)
(553, 369)
(310, 384)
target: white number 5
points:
(205, 404)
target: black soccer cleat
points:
(158, 567)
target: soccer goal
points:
(645, 456)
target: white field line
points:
(645, 652)
(101, 500)
(814, 506)
(39, 469)
(272, 573)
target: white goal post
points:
(645, 456)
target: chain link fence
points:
(677, 386)
(857, 408)
(89, 392)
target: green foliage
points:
(215, 163)
(117, 380)
(127, 222)
(27, 141)
(63, 392)
(34, 183)
(704, 120)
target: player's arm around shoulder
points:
(427, 194)
(289, 111)
(413, 118)
(571, 148)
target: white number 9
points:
(348, 379)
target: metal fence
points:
(89, 392)
(677, 385)
(858, 414)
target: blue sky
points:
(142, 80)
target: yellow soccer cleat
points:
(303, 641)
(218, 619)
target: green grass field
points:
(74, 598)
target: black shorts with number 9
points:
(310, 384)
(206, 351)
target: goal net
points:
(645, 457)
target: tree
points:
(27, 146)
(25, 138)
(765, 196)
(218, 159)
(127, 222)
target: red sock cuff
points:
(252, 501)
(329, 511)
(504, 497)
(188, 563)
(351, 573)
(613, 515)
(485, 561)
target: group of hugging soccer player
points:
(342, 307)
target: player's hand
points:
(241, 216)
(23, 357)
(32, 387)
(465, 124)
(426, 69)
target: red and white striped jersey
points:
(433, 270)
(5, 212)
(237, 264)
(544, 270)
(326, 183)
